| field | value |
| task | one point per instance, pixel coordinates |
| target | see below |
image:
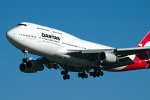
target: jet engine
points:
(31, 67)
(107, 57)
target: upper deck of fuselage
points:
(67, 37)
(45, 28)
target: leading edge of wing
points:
(88, 51)
(128, 51)
(131, 51)
(92, 54)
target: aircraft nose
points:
(8, 35)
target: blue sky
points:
(116, 23)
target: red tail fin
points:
(145, 41)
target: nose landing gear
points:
(25, 61)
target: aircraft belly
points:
(72, 61)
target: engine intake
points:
(107, 57)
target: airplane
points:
(60, 50)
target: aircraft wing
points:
(141, 52)
(131, 51)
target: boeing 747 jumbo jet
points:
(60, 50)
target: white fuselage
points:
(50, 43)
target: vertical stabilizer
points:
(145, 41)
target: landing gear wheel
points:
(79, 74)
(101, 73)
(91, 73)
(82, 75)
(22, 67)
(94, 74)
(97, 74)
(62, 72)
(86, 75)
(68, 77)
(64, 77)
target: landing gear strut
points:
(65, 74)
(25, 60)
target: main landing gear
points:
(65, 74)
(83, 75)
(97, 72)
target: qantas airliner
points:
(60, 50)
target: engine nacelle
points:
(31, 67)
(107, 57)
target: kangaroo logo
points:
(140, 45)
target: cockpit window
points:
(22, 25)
